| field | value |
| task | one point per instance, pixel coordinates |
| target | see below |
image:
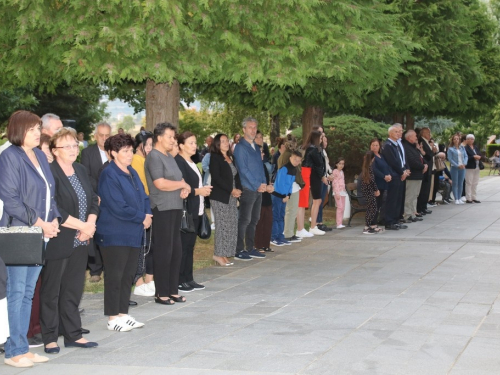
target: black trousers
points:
(95, 261)
(381, 200)
(403, 196)
(394, 200)
(435, 176)
(425, 190)
(168, 251)
(120, 264)
(60, 294)
(188, 242)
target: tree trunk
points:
(162, 103)
(312, 115)
(410, 121)
(398, 118)
(275, 129)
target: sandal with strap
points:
(179, 299)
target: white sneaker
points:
(458, 202)
(119, 325)
(316, 231)
(340, 226)
(463, 199)
(143, 290)
(212, 226)
(151, 286)
(304, 233)
(130, 321)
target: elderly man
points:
(93, 157)
(428, 151)
(417, 167)
(206, 150)
(51, 124)
(249, 163)
(471, 169)
(393, 155)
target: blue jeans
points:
(278, 219)
(458, 178)
(324, 191)
(21, 282)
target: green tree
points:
(127, 123)
(314, 50)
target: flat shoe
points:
(54, 350)
(23, 362)
(39, 359)
(85, 345)
(164, 301)
(180, 299)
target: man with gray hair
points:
(51, 124)
(249, 163)
(93, 157)
(417, 167)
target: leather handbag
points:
(440, 165)
(22, 245)
(187, 224)
(481, 165)
(204, 229)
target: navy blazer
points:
(21, 184)
(124, 205)
(392, 158)
(61, 246)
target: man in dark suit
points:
(93, 157)
(425, 188)
(394, 157)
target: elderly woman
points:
(471, 169)
(125, 215)
(458, 160)
(27, 189)
(195, 206)
(224, 196)
(167, 189)
(63, 277)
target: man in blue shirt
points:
(249, 164)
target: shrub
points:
(490, 149)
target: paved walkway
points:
(419, 301)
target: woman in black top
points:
(264, 227)
(195, 206)
(226, 190)
(313, 158)
(63, 276)
(382, 173)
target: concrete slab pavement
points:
(425, 300)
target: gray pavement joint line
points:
(472, 337)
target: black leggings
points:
(188, 242)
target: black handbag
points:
(22, 245)
(187, 224)
(204, 229)
(481, 165)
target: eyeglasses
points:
(69, 147)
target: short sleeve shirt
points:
(159, 165)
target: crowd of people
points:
(120, 210)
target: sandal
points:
(167, 301)
(267, 250)
(377, 229)
(179, 299)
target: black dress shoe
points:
(392, 227)
(468, 201)
(81, 311)
(84, 331)
(54, 350)
(132, 303)
(418, 215)
(75, 344)
(475, 201)
(416, 218)
(428, 212)
(401, 226)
